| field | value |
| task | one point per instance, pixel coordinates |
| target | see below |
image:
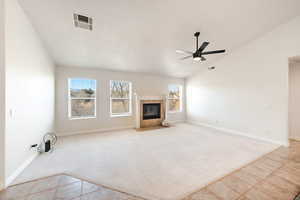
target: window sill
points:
(78, 118)
(121, 115)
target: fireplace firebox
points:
(151, 111)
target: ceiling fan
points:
(198, 54)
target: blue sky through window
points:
(174, 88)
(77, 84)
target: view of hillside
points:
(83, 94)
(83, 107)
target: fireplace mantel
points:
(151, 98)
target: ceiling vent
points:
(84, 22)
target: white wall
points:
(248, 91)
(294, 100)
(29, 89)
(2, 96)
(142, 84)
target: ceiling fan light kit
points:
(197, 59)
(198, 54)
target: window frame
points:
(180, 98)
(70, 98)
(125, 114)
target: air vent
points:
(82, 21)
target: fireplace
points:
(151, 111)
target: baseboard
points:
(235, 132)
(95, 131)
(17, 172)
(62, 134)
(177, 121)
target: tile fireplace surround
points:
(147, 123)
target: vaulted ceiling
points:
(142, 35)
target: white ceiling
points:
(142, 35)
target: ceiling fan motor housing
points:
(196, 54)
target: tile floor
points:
(62, 187)
(275, 176)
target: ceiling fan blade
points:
(213, 52)
(184, 52)
(203, 59)
(203, 46)
(186, 57)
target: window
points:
(120, 98)
(82, 98)
(174, 98)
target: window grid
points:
(175, 98)
(129, 98)
(70, 98)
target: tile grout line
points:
(59, 186)
(32, 181)
(213, 182)
(234, 188)
(38, 179)
(264, 179)
(56, 187)
(109, 188)
(46, 190)
(260, 182)
(285, 165)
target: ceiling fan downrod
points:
(197, 34)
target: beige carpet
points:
(163, 164)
